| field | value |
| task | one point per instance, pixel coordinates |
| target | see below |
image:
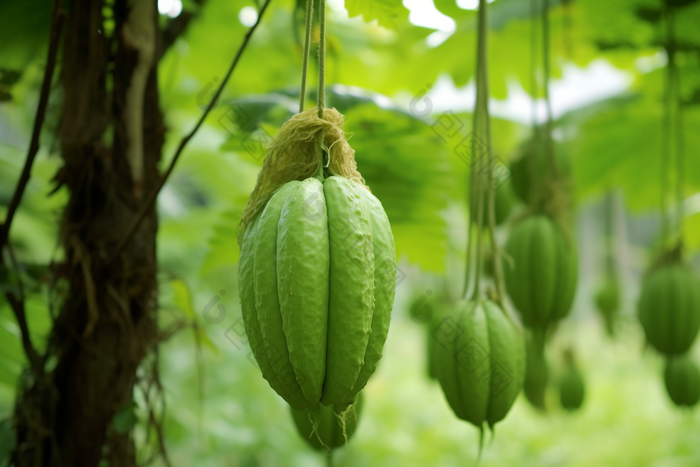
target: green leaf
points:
(388, 13)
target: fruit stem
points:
(321, 58)
(308, 26)
(321, 98)
(553, 166)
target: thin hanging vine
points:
(308, 23)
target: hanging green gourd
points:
(669, 303)
(480, 356)
(542, 276)
(331, 429)
(542, 281)
(682, 380)
(669, 308)
(521, 168)
(536, 374)
(317, 265)
(607, 297)
(571, 386)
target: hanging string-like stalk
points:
(479, 191)
(674, 111)
(471, 196)
(478, 159)
(680, 157)
(483, 90)
(322, 57)
(610, 268)
(483, 159)
(545, 58)
(666, 137)
(321, 96)
(534, 176)
(308, 27)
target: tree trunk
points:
(105, 324)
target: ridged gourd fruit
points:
(317, 272)
(541, 281)
(333, 429)
(480, 362)
(669, 309)
(682, 380)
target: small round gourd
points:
(682, 380)
(571, 389)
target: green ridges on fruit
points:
(316, 279)
(669, 309)
(250, 316)
(481, 369)
(302, 270)
(507, 362)
(682, 380)
(384, 288)
(267, 303)
(334, 428)
(542, 280)
(351, 288)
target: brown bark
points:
(105, 324)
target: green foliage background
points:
(220, 410)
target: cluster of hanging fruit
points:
(542, 268)
(541, 271)
(541, 279)
(568, 381)
(669, 303)
(669, 312)
(478, 353)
